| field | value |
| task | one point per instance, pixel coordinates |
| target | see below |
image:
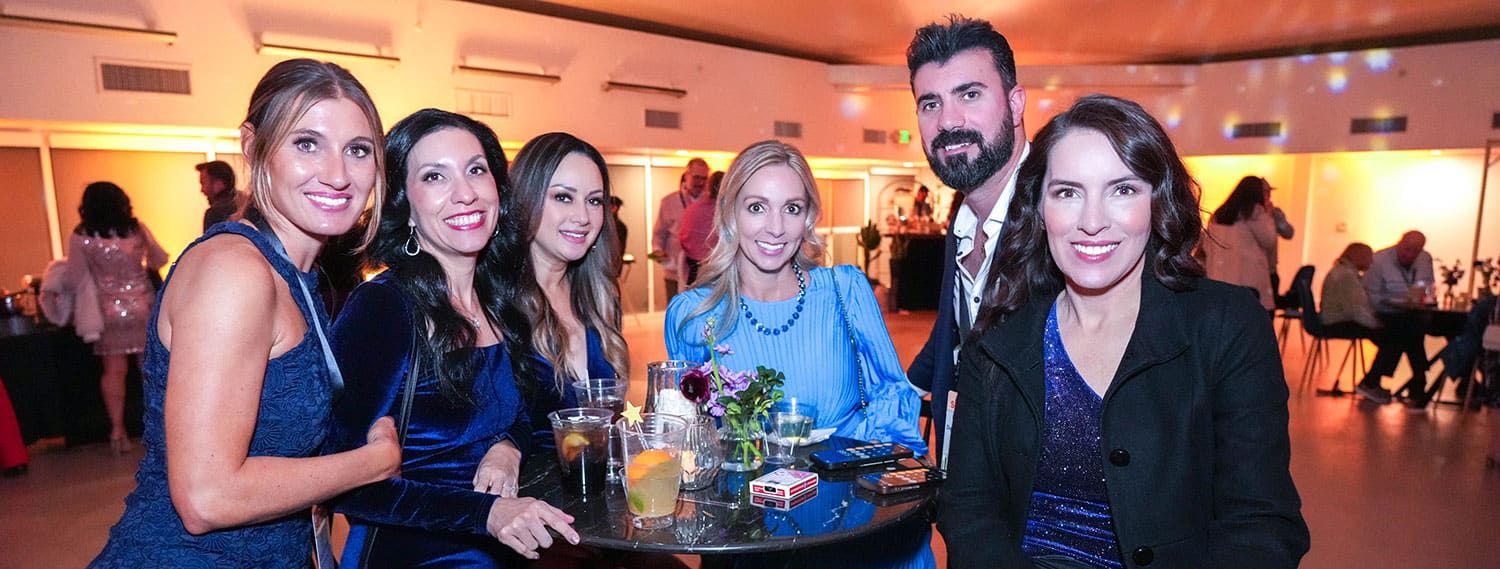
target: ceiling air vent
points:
(786, 129)
(144, 79)
(663, 119)
(874, 136)
(1256, 130)
(1376, 126)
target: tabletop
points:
(720, 519)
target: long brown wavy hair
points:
(596, 290)
(1023, 265)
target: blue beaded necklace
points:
(801, 296)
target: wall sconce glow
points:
(1052, 83)
(1229, 122)
(1338, 57)
(1255, 74)
(1338, 80)
(1379, 59)
(1308, 58)
(1044, 104)
(1174, 118)
(853, 106)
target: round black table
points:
(719, 520)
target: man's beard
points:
(957, 171)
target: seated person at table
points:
(1344, 298)
(568, 290)
(439, 306)
(775, 307)
(1115, 407)
(1392, 276)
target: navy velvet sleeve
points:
(371, 340)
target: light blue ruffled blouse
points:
(815, 354)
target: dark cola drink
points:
(582, 439)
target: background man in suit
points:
(969, 111)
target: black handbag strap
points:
(408, 393)
(409, 388)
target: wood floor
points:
(1381, 487)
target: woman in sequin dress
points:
(116, 250)
(1116, 409)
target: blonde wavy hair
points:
(720, 272)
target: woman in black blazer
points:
(1115, 408)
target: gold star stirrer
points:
(631, 414)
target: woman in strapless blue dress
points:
(441, 305)
(237, 377)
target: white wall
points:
(733, 95)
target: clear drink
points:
(791, 424)
(793, 428)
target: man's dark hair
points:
(937, 42)
(219, 170)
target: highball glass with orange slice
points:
(653, 467)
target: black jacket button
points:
(1142, 556)
(1119, 457)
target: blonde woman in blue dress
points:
(775, 306)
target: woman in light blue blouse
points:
(821, 327)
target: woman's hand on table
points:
(499, 470)
(521, 524)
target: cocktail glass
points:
(653, 467)
(582, 438)
(791, 423)
(605, 393)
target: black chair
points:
(1289, 307)
(1312, 323)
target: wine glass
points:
(791, 424)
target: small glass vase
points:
(743, 441)
(700, 467)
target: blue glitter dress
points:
(1069, 514)
(291, 421)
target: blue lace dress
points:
(292, 421)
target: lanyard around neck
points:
(335, 377)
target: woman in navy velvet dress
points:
(775, 306)
(232, 435)
(570, 294)
(448, 248)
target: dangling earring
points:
(412, 247)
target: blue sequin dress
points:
(292, 420)
(1069, 514)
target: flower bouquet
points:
(740, 399)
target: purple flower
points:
(735, 382)
(715, 408)
(723, 350)
(697, 386)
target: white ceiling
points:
(1048, 32)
